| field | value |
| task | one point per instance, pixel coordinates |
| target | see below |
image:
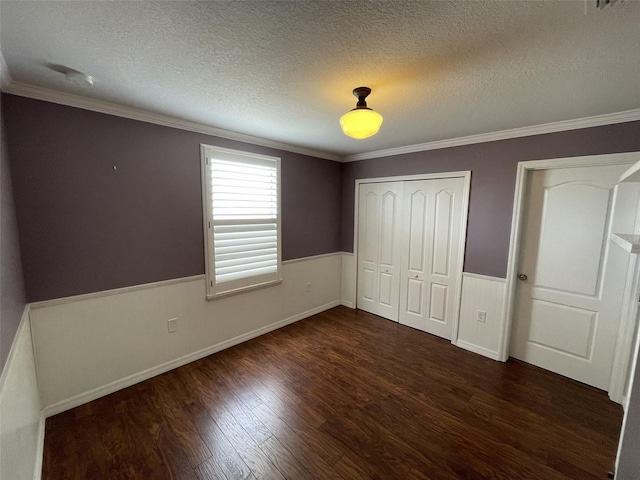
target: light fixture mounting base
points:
(361, 93)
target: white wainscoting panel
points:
(21, 419)
(89, 348)
(484, 293)
(348, 283)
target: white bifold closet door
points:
(431, 256)
(409, 238)
(379, 248)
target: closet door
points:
(430, 260)
(379, 248)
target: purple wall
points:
(12, 299)
(85, 227)
(493, 166)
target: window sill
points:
(216, 296)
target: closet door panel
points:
(446, 261)
(379, 248)
(388, 236)
(386, 289)
(440, 255)
(367, 285)
(416, 248)
(443, 223)
(438, 303)
(417, 217)
(432, 252)
(390, 249)
(414, 298)
(368, 243)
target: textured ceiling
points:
(284, 70)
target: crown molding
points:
(77, 101)
(565, 125)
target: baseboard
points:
(347, 304)
(104, 390)
(479, 350)
(37, 469)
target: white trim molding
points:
(347, 279)
(146, 286)
(562, 126)
(403, 178)
(624, 347)
(114, 291)
(21, 419)
(101, 106)
(24, 320)
(311, 257)
(37, 469)
(485, 352)
(484, 277)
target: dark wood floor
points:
(341, 395)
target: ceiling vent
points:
(78, 78)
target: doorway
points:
(576, 292)
(566, 316)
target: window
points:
(241, 194)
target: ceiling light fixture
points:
(361, 122)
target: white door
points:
(379, 236)
(431, 258)
(562, 321)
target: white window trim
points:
(213, 290)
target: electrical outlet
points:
(481, 316)
(172, 325)
(309, 287)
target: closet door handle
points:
(415, 276)
(386, 270)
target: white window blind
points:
(242, 220)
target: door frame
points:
(520, 197)
(466, 175)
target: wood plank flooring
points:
(341, 395)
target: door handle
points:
(386, 270)
(415, 276)
(522, 277)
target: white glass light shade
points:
(361, 123)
